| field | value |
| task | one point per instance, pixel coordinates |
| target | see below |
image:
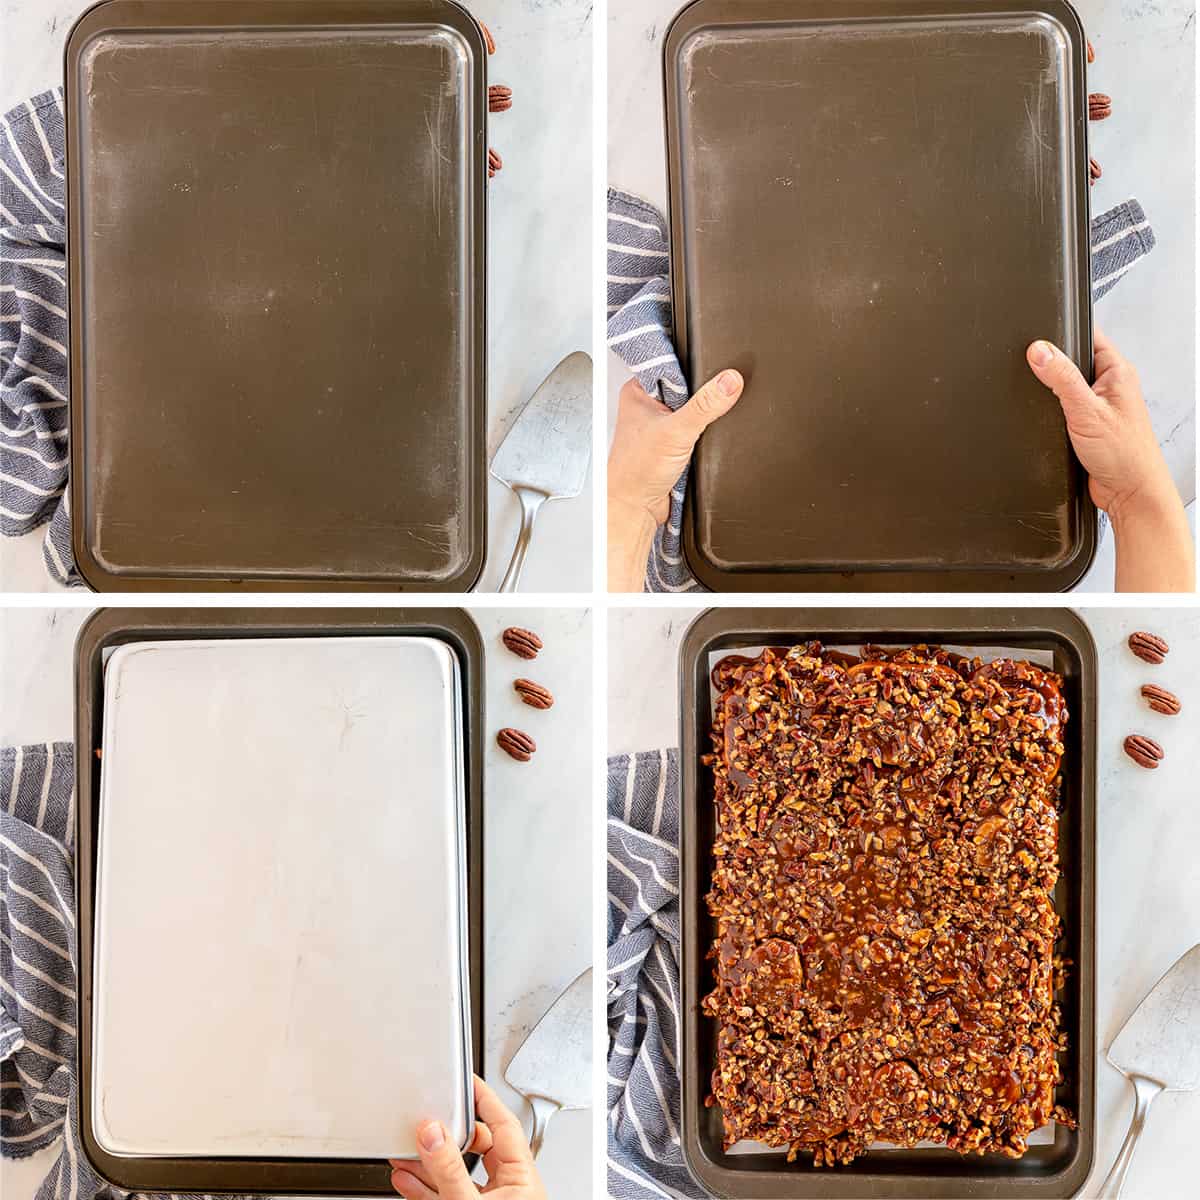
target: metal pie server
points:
(553, 1067)
(545, 455)
(1158, 1050)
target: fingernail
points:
(1041, 353)
(431, 1135)
(728, 383)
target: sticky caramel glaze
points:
(882, 879)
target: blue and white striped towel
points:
(645, 1158)
(38, 957)
(33, 330)
(639, 327)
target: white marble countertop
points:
(1149, 828)
(540, 209)
(1145, 61)
(538, 862)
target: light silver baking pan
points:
(280, 964)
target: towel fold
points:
(640, 327)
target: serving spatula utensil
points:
(553, 1067)
(1158, 1050)
(545, 455)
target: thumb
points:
(713, 400)
(1064, 379)
(444, 1164)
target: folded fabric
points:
(38, 962)
(639, 327)
(34, 416)
(645, 1157)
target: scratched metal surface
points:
(888, 209)
(278, 299)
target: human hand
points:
(1108, 423)
(651, 447)
(1110, 429)
(501, 1140)
(652, 444)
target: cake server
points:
(553, 1067)
(545, 455)
(1158, 1050)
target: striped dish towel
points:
(33, 330)
(639, 327)
(645, 1158)
(38, 956)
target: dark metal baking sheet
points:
(110, 628)
(1055, 1170)
(276, 229)
(875, 205)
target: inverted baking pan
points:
(875, 205)
(1056, 1169)
(277, 293)
(296, 1146)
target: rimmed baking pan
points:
(277, 292)
(1055, 1169)
(300, 793)
(875, 205)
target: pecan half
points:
(516, 744)
(534, 694)
(1148, 647)
(500, 98)
(1099, 106)
(1161, 700)
(1144, 751)
(495, 163)
(1094, 171)
(490, 41)
(522, 642)
(1091, 53)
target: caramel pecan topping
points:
(1161, 700)
(883, 871)
(516, 744)
(522, 642)
(1144, 751)
(1148, 647)
(533, 694)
